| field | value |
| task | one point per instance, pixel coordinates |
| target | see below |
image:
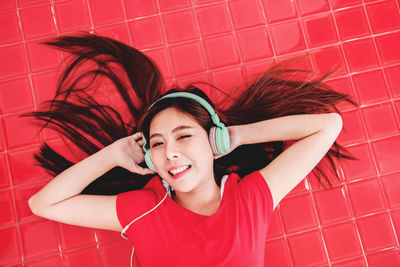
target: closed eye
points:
(156, 144)
(184, 136)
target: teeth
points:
(181, 169)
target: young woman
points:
(188, 182)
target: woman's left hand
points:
(234, 138)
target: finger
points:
(140, 142)
(142, 171)
(137, 135)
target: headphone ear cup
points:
(147, 159)
(222, 139)
(213, 142)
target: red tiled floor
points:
(226, 43)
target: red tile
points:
(246, 13)
(277, 253)
(279, 10)
(180, 55)
(54, 261)
(73, 236)
(386, 152)
(353, 128)
(320, 30)
(7, 215)
(253, 70)
(344, 3)
(275, 229)
(213, 19)
(387, 46)
(385, 258)
(10, 250)
(39, 238)
(15, 129)
(106, 235)
(332, 205)
(221, 51)
(352, 23)
(337, 249)
(396, 220)
(147, 32)
(16, 61)
(287, 37)
(226, 80)
(301, 61)
(371, 87)
(397, 106)
(15, 95)
(360, 262)
(180, 26)
(4, 175)
(22, 166)
(329, 58)
(139, 8)
(72, 15)
(37, 22)
(307, 249)
(10, 31)
(22, 195)
(84, 257)
(197, 79)
(376, 127)
(44, 85)
(356, 169)
(116, 253)
(116, 31)
(201, 2)
(391, 186)
(26, 3)
(254, 44)
(105, 11)
(161, 58)
(383, 16)
(343, 85)
(298, 214)
(393, 78)
(8, 5)
(2, 145)
(42, 57)
(366, 197)
(355, 52)
(168, 5)
(309, 7)
(373, 239)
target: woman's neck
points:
(204, 202)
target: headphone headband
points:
(218, 135)
(198, 99)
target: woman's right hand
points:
(129, 153)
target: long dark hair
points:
(90, 125)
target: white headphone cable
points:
(127, 226)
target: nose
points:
(171, 151)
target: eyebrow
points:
(182, 127)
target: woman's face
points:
(180, 150)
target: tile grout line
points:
(345, 187)
(397, 118)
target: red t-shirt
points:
(172, 235)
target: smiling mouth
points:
(177, 172)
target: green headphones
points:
(218, 136)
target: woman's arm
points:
(60, 200)
(315, 134)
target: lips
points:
(178, 171)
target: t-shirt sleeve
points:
(130, 204)
(255, 190)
